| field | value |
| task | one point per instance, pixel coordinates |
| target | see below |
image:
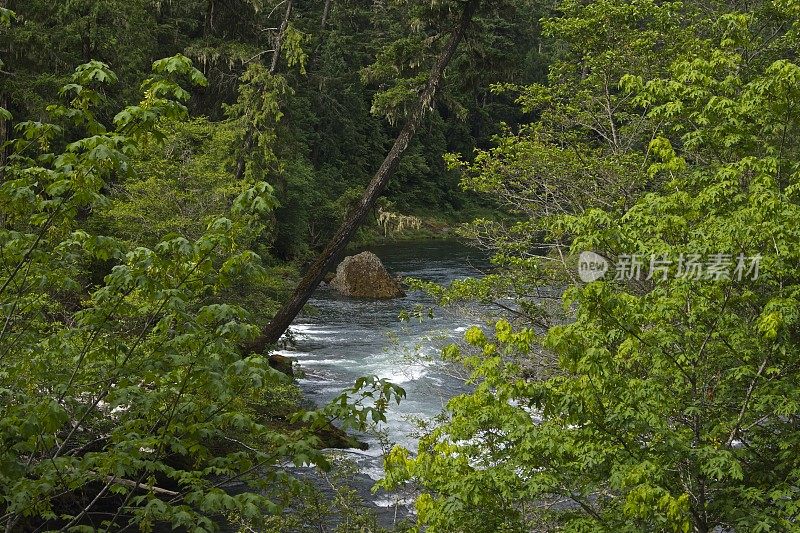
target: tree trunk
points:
(325, 13)
(3, 131)
(4, 103)
(86, 43)
(208, 25)
(325, 261)
(240, 161)
(281, 34)
(249, 138)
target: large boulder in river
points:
(364, 276)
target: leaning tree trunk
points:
(324, 262)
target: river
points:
(343, 339)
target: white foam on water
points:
(312, 381)
(314, 331)
(387, 503)
(328, 362)
(301, 356)
(375, 473)
(383, 503)
(285, 353)
(403, 374)
(371, 453)
(394, 366)
(303, 327)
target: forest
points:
(594, 206)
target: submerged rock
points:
(364, 276)
(336, 438)
(281, 364)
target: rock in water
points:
(281, 364)
(364, 276)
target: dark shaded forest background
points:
(332, 135)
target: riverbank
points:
(420, 225)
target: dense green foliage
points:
(154, 211)
(319, 135)
(126, 400)
(142, 249)
(659, 403)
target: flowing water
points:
(345, 338)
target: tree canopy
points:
(662, 399)
(168, 171)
